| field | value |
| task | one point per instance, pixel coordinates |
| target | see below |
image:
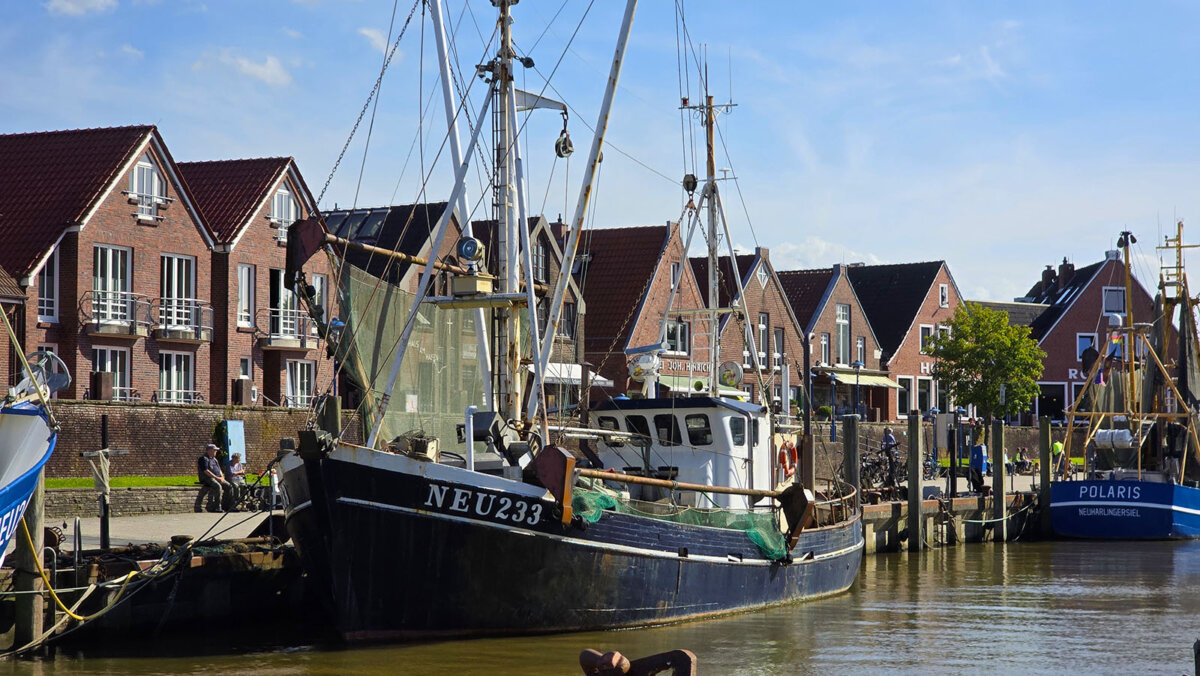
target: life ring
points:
(788, 459)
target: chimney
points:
(1065, 272)
(763, 252)
(1047, 278)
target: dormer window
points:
(283, 213)
(146, 189)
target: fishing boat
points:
(1140, 408)
(27, 436)
(677, 514)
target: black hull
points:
(398, 571)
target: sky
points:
(1000, 137)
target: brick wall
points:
(165, 440)
(825, 324)
(909, 362)
(68, 503)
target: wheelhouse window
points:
(608, 422)
(737, 430)
(843, 333)
(47, 282)
(699, 429)
(637, 426)
(245, 298)
(666, 428)
(283, 212)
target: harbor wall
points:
(166, 439)
(948, 522)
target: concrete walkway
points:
(158, 528)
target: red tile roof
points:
(228, 192)
(623, 261)
(50, 180)
(804, 290)
(9, 288)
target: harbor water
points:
(1027, 608)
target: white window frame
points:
(286, 321)
(320, 284)
(295, 398)
(246, 276)
(172, 394)
(284, 211)
(177, 308)
(1066, 388)
(115, 304)
(778, 337)
(681, 344)
(932, 394)
(54, 367)
(825, 348)
(943, 295)
(1104, 292)
(47, 303)
(764, 337)
(121, 392)
(1095, 343)
(541, 271)
(246, 368)
(908, 391)
(762, 275)
(842, 328)
(147, 197)
(925, 332)
(675, 270)
(860, 349)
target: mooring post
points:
(105, 539)
(916, 537)
(1044, 441)
(999, 500)
(850, 460)
(808, 463)
(29, 607)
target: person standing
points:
(212, 482)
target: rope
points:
(998, 520)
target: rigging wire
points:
(375, 105)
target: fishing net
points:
(439, 377)
(760, 527)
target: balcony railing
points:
(178, 396)
(115, 313)
(284, 329)
(183, 319)
(298, 400)
(119, 394)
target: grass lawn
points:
(125, 481)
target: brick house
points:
(266, 342)
(105, 239)
(906, 304)
(1069, 310)
(12, 303)
(830, 312)
(768, 314)
(626, 275)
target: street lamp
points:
(857, 372)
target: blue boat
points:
(1141, 476)
(27, 437)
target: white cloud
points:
(270, 71)
(292, 33)
(79, 7)
(130, 50)
(375, 37)
(814, 252)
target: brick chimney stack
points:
(1048, 278)
(1065, 272)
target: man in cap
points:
(212, 480)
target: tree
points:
(981, 353)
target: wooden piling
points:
(916, 536)
(850, 459)
(999, 504)
(29, 607)
(1044, 441)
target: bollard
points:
(850, 459)
(999, 503)
(1044, 441)
(916, 538)
(29, 607)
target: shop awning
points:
(688, 384)
(865, 380)
(558, 373)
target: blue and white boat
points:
(1142, 469)
(27, 437)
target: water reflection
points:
(1025, 607)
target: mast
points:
(508, 333)
(714, 351)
